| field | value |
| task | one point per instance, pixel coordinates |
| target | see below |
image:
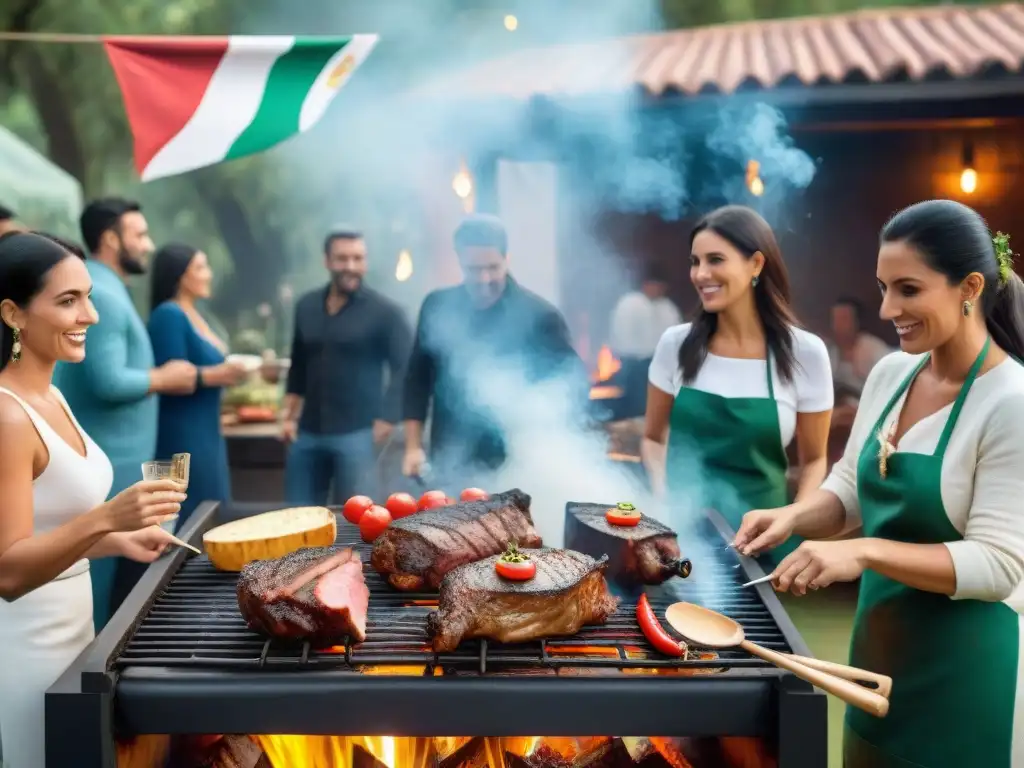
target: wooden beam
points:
(880, 126)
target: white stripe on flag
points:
(320, 94)
(227, 108)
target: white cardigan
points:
(982, 471)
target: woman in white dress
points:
(53, 517)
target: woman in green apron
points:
(934, 473)
(729, 391)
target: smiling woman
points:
(730, 391)
(54, 478)
(933, 474)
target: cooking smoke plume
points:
(674, 161)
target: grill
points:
(177, 658)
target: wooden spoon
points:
(713, 630)
(883, 683)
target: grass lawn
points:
(824, 620)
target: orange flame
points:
(607, 364)
(293, 751)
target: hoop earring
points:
(968, 306)
(755, 281)
(16, 346)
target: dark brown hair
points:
(748, 233)
(26, 259)
(956, 241)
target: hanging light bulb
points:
(462, 183)
(511, 23)
(754, 182)
(403, 270)
(968, 176)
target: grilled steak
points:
(567, 592)
(316, 594)
(647, 553)
(416, 552)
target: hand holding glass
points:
(177, 470)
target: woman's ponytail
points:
(1005, 317)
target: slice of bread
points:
(269, 535)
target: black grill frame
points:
(301, 691)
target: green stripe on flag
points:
(288, 83)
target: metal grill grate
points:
(195, 623)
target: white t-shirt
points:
(638, 322)
(810, 391)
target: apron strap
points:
(768, 368)
(958, 405)
(904, 385)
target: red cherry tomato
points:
(514, 565)
(400, 505)
(624, 514)
(355, 507)
(432, 499)
(474, 494)
(373, 523)
(521, 571)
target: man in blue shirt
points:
(111, 391)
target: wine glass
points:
(177, 469)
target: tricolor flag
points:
(196, 101)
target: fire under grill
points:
(178, 659)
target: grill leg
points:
(80, 729)
(803, 725)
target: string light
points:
(511, 23)
(754, 181)
(463, 184)
(403, 270)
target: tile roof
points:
(873, 45)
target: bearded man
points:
(350, 346)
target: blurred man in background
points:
(7, 221)
(854, 352)
(111, 391)
(638, 321)
(350, 345)
(478, 347)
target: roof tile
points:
(875, 45)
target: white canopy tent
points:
(43, 195)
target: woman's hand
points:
(149, 502)
(816, 564)
(144, 545)
(764, 529)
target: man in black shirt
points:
(480, 351)
(337, 404)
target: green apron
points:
(733, 444)
(953, 662)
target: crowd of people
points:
(931, 473)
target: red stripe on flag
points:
(162, 81)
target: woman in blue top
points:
(191, 423)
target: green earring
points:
(755, 281)
(16, 346)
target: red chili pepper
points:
(654, 632)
